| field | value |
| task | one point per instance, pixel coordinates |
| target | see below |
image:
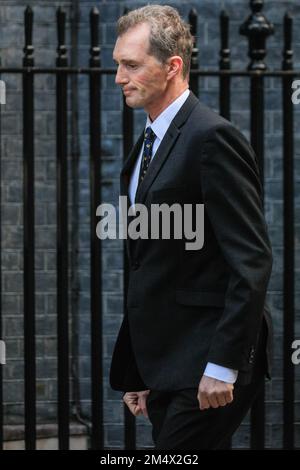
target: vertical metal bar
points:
(194, 79)
(62, 238)
(289, 244)
(258, 414)
(29, 275)
(97, 440)
(257, 122)
(257, 29)
(129, 419)
(1, 375)
(224, 87)
(75, 217)
(224, 90)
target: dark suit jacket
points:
(187, 308)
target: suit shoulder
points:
(206, 119)
(206, 124)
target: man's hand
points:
(136, 402)
(214, 393)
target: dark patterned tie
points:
(147, 152)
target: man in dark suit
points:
(195, 342)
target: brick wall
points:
(11, 43)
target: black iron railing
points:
(257, 29)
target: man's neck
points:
(154, 112)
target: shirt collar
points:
(161, 124)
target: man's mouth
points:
(127, 90)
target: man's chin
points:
(132, 103)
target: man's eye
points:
(132, 66)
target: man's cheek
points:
(156, 83)
(141, 88)
(134, 83)
(142, 83)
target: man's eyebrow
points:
(125, 61)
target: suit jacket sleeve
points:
(232, 201)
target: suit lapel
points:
(161, 155)
(165, 147)
(128, 165)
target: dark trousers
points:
(178, 422)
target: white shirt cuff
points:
(221, 373)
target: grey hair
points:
(169, 34)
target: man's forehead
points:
(126, 51)
(136, 37)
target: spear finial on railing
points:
(28, 49)
(257, 28)
(61, 29)
(95, 48)
(193, 17)
(287, 63)
(225, 51)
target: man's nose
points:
(120, 77)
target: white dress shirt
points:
(160, 126)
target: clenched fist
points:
(214, 393)
(136, 402)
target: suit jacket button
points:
(135, 265)
(251, 355)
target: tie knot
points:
(149, 135)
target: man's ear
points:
(175, 64)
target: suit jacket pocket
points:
(201, 298)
